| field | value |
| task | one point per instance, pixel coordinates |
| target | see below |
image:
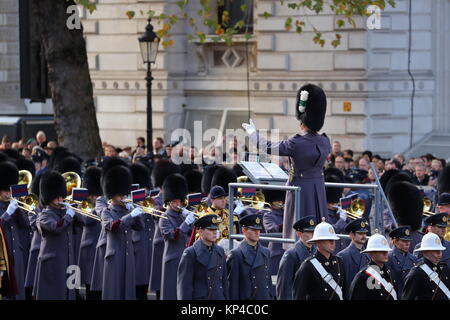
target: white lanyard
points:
(387, 285)
(327, 277)
(435, 278)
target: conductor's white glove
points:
(12, 207)
(190, 218)
(136, 212)
(249, 127)
(239, 208)
(342, 214)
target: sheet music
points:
(275, 171)
(257, 170)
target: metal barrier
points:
(378, 197)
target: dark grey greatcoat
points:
(157, 249)
(354, 261)
(400, 264)
(15, 226)
(202, 273)
(119, 278)
(307, 155)
(143, 244)
(249, 273)
(176, 233)
(101, 204)
(56, 254)
(273, 223)
(34, 249)
(89, 238)
(290, 263)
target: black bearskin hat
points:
(9, 175)
(333, 194)
(35, 189)
(175, 187)
(387, 175)
(111, 162)
(399, 177)
(91, 181)
(316, 107)
(141, 175)
(57, 155)
(13, 154)
(3, 156)
(406, 204)
(334, 172)
(68, 164)
(222, 177)
(194, 180)
(52, 186)
(117, 181)
(163, 169)
(444, 180)
(26, 164)
(208, 174)
(274, 195)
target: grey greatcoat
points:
(307, 154)
(157, 249)
(15, 226)
(89, 238)
(119, 278)
(176, 233)
(143, 244)
(273, 223)
(202, 273)
(56, 254)
(34, 249)
(101, 204)
(290, 263)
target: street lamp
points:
(148, 44)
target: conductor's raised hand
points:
(249, 127)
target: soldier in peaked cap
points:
(249, 264)
(407, 207)
(443, 205)
(400, 260)
(273, 223)
(437, 224)
(143, 240)
(91, 229)
(202, 272)
(162, 169)
(14, 222)
(175, 230)
(294, 257)
(57, 250)
(353, 257)
(118, 221)
(321, 276)
(428, 279)
(308, 152)
(375, 282)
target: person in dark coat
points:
(143, 240)
(119, 277)
(248, 265)
(400, 260)
(176, 231)
(202, 272)
(375, 281)
(101, 204)
(35, 240)
(294, 257)
(321, 276)
(91, 229)
(273, 223)
(428, 279)
(308, 152)
(407, 206)
(15, 223)
(161, 171)
(57, 251)
(353, 257)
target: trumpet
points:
(28, 203)
(357, 208)
(427, 204)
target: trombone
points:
(28, 203)
(257, 201)
(147, 205)
(356, 210)
(86, 208)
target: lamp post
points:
(148, 44)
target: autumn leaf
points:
(219, 31)
(130, 14)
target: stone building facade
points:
(366, 78)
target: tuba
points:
(73, 180)
(25, 177)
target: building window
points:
(235, 13)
